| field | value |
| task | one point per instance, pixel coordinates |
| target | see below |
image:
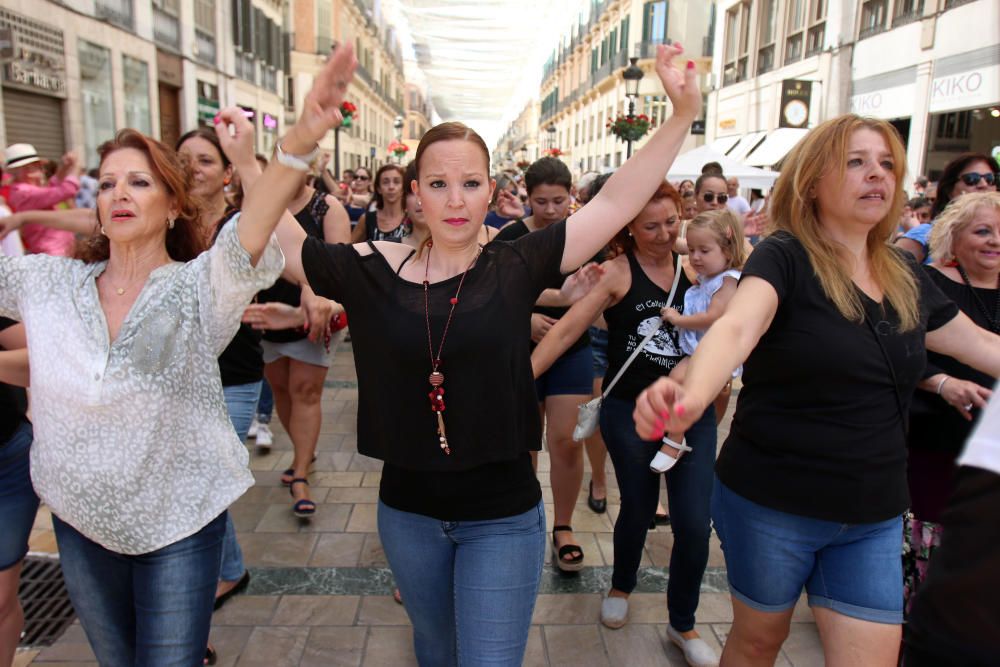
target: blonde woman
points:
(832, 324)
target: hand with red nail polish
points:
(681, 86)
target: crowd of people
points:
(159, 306)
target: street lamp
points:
(397, 125)
(632, 76)
(552, 135)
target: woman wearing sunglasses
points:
(361, 194)
(969, 172)
(711, 192)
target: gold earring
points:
(170, 223)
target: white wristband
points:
(298, 162)
(941, 384)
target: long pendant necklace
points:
(436, 378)
(993, 319)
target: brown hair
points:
(793, 209)
(727, 229)
(379, 201)
(623, 241)
(449, 131)
(184, 242)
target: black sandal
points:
(303, 508)
(290, 473)
(211, 657)
(574, 564)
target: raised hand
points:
(237, 142)
(664, 406)
(509, 205)
(321, 107)
(681, 86)
(579, 283)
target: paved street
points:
(321, 590)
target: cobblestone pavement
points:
(321, 593)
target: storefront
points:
(135, 73)
(34, 83)
(169, 79)
(208, 103)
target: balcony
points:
(204, 47)
(647, 49)
(620, 59)
(166, 29)
(118, 12)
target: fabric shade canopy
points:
(776, 146)
(689, 164)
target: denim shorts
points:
(853, 569)
(571, 375)
(18, 502)
(599, 351)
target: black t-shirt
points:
(242, 362)
(817, 430)
(13, 401)
(935, 425)
(516, 230)
(491, 411)
(310, 218)
(630, 320)
(373, 233)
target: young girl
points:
(716, 251)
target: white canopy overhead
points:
(688, 165)
(776, 146)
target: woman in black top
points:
(812, 479)
(460, 512)
(634, 289)
(965, 245)
(388, 221)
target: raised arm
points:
(961, 339)
(268, 198)
(77, 220)
(631, 186)
(726, 345)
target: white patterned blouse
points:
(133, 445)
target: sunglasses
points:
(972, 178)
(709, 197)
(361, 178)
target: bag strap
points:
(649, 336)
(892, 373)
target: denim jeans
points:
(241, 402)
(18, 502)
(689, 490)
(469, 587)
(150, 610)
(265, 406)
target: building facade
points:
(377, 89)
(418, 115)
(76, 71)
(583, 89)
(930, 67)
(520, 143)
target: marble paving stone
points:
(637, 645)
(390, 645)
(338, 550)
(649, 608)
(575, 645)
(274, 646)
(372, 479)
(329, 518)
(331, 479)
(721, 630)
(228, 642)
(246, 609)
(334, 461)
(321, 581)
(279, 519)
(307, 610)
(246, 515)
(566, 609)
(363, 519)
(372, 554)
(270, 550)
(24, 657)
(803, 645)
(334, 647)
(354, 494)
(365, 464)
(382, 610)
(534, 652)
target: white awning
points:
(776, 146)
(747, 144)
(724, 144)
(688, 165)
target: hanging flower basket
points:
(398, 148)
(347, 110)
(630, 128)
(555, 152)
(523, 164)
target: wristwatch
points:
(299, 162)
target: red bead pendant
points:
(436, 379)
(454, 300)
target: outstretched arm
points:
(77, 220)
(629, 189)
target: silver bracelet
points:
(298, 162)
(941, 383)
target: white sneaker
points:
(252, 431)
(264, 436)
(614, 612)
(696, 651)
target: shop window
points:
(956, 125)
(136, 88)
(766, 39)
(873, 17)
(737, 49)
(96, 95)
(806, 29)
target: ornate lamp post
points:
(551, 130)
(397, 125)
(632, 76)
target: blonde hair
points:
(793, 209)
(955, 218)
(727, 229)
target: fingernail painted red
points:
(679, 410)
(216, 119)
(690, 64)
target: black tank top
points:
(310, 218)
(630, 320)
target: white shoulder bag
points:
(587, 417)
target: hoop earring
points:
(102, 231)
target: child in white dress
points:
(716, 250)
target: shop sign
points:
(895, 102)
(169, 69)
(32, 55)
(796, 96)
(727, 123)
(207, 109)
(965, 90)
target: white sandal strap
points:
(679, 446)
